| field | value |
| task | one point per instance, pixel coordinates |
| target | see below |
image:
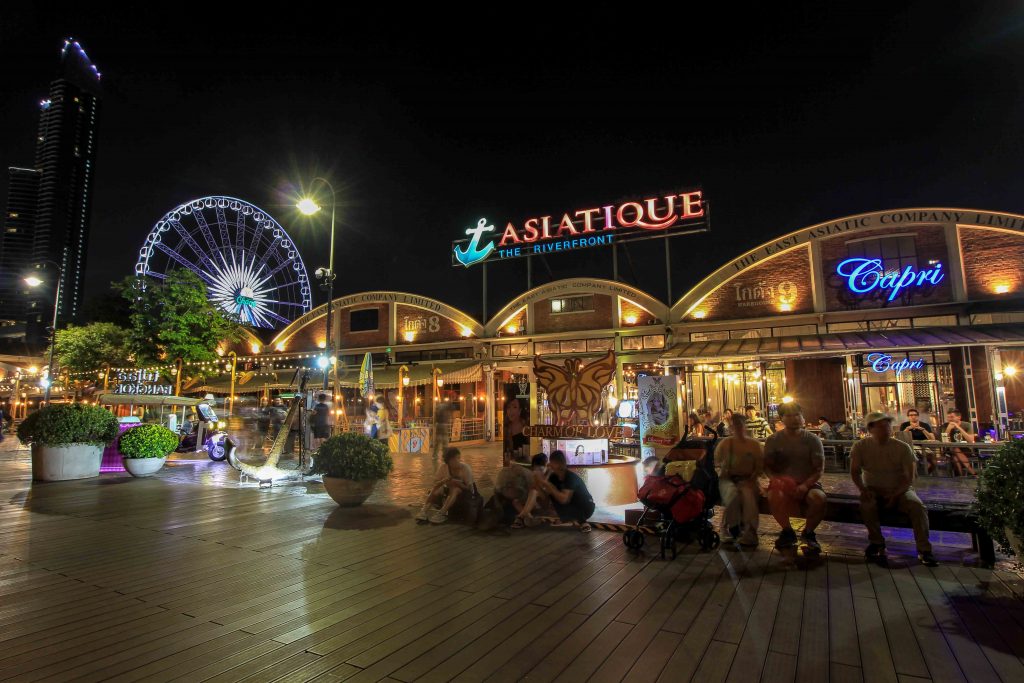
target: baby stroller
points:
(680, 500)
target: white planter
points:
(143, 467)
(60, 463)
(348, 493)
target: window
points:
(573, 346)
(708, 336)
(600, 344)
(895, 253)
(654, 341)
(573, 304)
(632, 343)
(544, 348)
(500, 350)
(366, 320)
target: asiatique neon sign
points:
(599, 226)
(864, 275)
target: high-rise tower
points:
(65, 163)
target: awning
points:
(840, 343)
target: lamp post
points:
(234, 363)
(309, 207)
(34, 281)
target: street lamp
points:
(308, 206)
(35, 281)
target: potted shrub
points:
(67, 440)
(999, 502)
(351, 465)
(145, 448)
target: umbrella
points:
(366, 376)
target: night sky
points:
(427, 122)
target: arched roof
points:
(584, 285)
(381, 297)
(892, 218)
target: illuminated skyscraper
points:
(65, 163)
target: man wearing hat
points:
(883, 470)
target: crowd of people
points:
(784, 465)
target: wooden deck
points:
(164, 579)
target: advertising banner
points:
(659, 414)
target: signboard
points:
(138, 382)
(659, 412)
(883, 362)
(578, 431)
(600, 226)
(865, 275)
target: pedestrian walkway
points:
(191, 576)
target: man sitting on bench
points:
(794, 461)
(883, 469)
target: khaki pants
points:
(910, 505)
(740, 502)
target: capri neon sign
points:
(882, 362)
(865, 275)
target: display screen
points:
(206, 413)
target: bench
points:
(845, 509)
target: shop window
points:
(708, 336)
(848, 327)
(573, 304)
(500, 350)
(520, 348)
(1005, 318)
(934, 321)
(749, 334)
(573, 346)
(896, 252)
(793, 330)
(600, 344)
(632, 343)
(654, 341)
(365, 320)
(545, 348)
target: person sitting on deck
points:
(883, 470)
(740, 463)
(534, 499)
(454, 478)
(573, 502)
(795, 460)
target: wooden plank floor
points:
(117, 579)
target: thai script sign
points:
(763, 294)
(578, 431)
(883, 362)
(599, 226)
(137, 382)
(865, 275)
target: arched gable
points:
(609, 288)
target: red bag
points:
(689, 506)
(660, 490)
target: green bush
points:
(68, 423)
(353, 456)
(147, 441)
(999, 502)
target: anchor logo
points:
(473, 253)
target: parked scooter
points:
(205, 430)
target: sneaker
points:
(874, 551)
(786, 539)
(810, 540)
(928, 559)
(438, 517)
(421, 516)
(748, 538)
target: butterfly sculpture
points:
(574, 391)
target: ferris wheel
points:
(250, 265)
